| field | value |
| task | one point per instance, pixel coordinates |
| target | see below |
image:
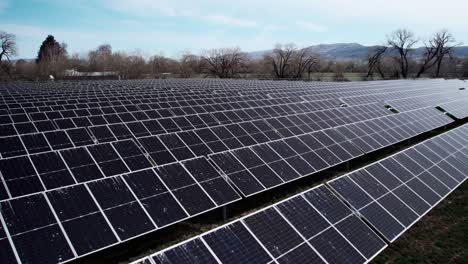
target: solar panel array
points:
(87, 165)
(312, 227)
(396, 192)
(317, 226)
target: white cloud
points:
(143, 7)
(179, 8)
(312, 26)
(24, 30)
(230, 21)
(29, 38)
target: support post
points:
(224, 213)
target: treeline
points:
(394, 59)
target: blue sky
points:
(171, 27)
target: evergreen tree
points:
(51, 50)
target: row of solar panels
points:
(179, 107)
(130, 204)
(318, 226)
(215, 97)
(281, 126)
(301, 153)
(354, 89)
(171, 88)
(387, 95)
(46, 121)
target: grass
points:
(439, 237)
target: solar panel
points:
(313, 226)
(197, 144)
(394, 193)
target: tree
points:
(302, 60)
(51, 50)
(444, 41)
(280, 59)
(429, 57)
(287, 61)
(374, 61)
(8, 50)
(224, 63)
(314, 66)
(51, 57)
(100, 59)
(190, 64)
(402, 41)
(465, 68)
(436, 49)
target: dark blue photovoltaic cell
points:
(327, 204)
(335, 249)
(49, 243)
(72, 202)
(26, 213)
(370, 185)
(129, 220)
(302, 254)
(423, 191)
(6, 254)
(89, 233)
(234, 244)
(411, 199)
(145, 183)
(111, 192)
(52, 170)
(163, 209)
(382, 221)
(303, 216)
(351, 192)
(220, 191)
(398, 209)
(20, 176)
(273, 231)
(360, 236)
(193, 199)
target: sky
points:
(172, 27)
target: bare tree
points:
(8, 50)
(159, 64)
(444, 41)
(429, 57)
(280, 59)
(8, 45)
(190, 64)
(402, 41)
(314, 65)
(465, 68)
(374, 62)
(224, 63)
(439, 46)
(302, 60)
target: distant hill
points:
(353, 51)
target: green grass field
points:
(439, 237)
